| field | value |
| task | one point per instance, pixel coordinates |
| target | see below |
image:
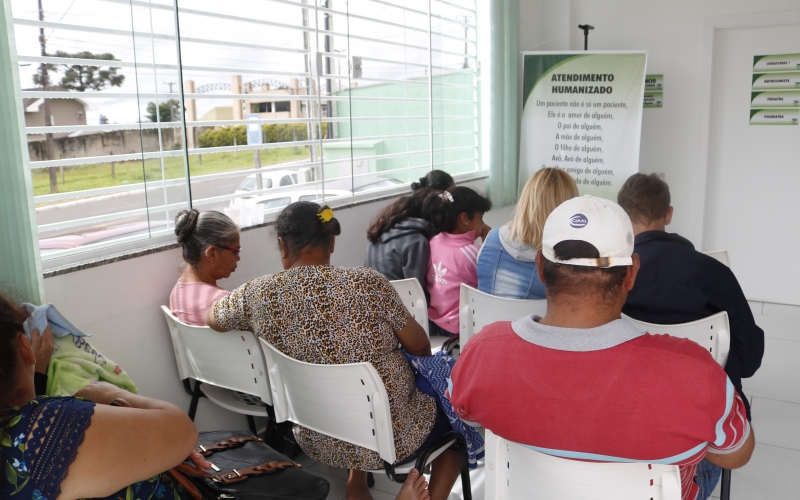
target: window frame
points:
(138, 243)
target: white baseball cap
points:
(594, 220)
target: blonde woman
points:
(506, 265)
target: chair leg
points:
(389, 470)
(251, 423)
(196, 394)
(370, 480)
(465, 481)
(725, 485)
(450, 344)
(290, 447)
(422, 459)
(187, 386)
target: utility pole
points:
(310, 128)
(328, 83)
(169, 102)
(46, 106)
(466, 37)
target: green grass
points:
(85, 177)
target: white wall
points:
(544, 25)
(119, 304)
(673, 33)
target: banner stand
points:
(582, 113)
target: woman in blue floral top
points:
(67, 448)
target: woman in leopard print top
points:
(318, 313)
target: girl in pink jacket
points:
(454, 255)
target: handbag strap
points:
(232, 442)
(187, 485)
(237, 475)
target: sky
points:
(135, 21)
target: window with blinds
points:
(137, 109)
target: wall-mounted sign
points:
(776, 81)
(776, 99)
(653, 91)
(777, 62)
(774, 116)
(775, 95)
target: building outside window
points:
(137, 109)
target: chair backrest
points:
(514, 471)
(413, 297)
(184, 367)
(478, 309)
(720, 255)
(347, 402)
(713, 333)
(231, 360)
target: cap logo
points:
(578, 221)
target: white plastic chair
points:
(720, 255)
(228, 367)
(348, 402)
(514, 471)
(713, 333)
(478, 309)
(413, 297)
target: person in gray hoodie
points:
(398, 236)
(506, 266)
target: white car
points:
(269, 180)
(279, 200)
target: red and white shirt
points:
(608, 394)
(454, 260)
(189, 301)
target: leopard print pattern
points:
(336, 315)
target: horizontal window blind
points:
(137, 109)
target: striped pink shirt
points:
(189, 301)
(454, 260)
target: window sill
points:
(355, 201)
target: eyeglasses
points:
(234, 250)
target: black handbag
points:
(248, 470)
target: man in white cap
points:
(583, 383)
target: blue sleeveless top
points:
(40, 440)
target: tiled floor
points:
(774, 392)
(775, 395)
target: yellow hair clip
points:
(326, 215)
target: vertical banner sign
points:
(582, 112)
(653, 91)
(254, 130)
(775, 93)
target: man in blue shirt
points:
(678, 284)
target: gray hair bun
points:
(197, 231)
(185, 224)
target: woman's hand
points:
(42, 345)
(102, 393)
(199, 461)
(485, 232)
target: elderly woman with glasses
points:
(210, 242)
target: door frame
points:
(710, 27)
